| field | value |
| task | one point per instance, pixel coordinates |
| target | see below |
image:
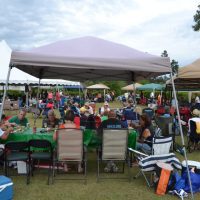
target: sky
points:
(147, 25)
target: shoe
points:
(181, 193)
(80, 169)
(65, 168)
(115, 169)
(108, 167)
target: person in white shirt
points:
(104, 108)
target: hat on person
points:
(82, 110)
(197, 99)
(196, 112)
(106, 104)
(86, 104)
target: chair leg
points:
(49, 172)
(85, 171)
(98, 170)
(146, 178)
(27, 173)
(6, 168)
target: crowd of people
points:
(75, 115)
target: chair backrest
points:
(70, 145)
(161, 145)
(150, 163)
(129, 114)
(193, 130)
(165, 124)
(114, 145)
(149, 112)
(40, 144)
(7, 105)
(16, 146)
(15, 105)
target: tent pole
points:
(182, 138)
(38, 90)
(79, 90)
(134, 88)
(5, 91)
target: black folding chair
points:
(17, 151)
(41, 150)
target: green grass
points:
(76, 190)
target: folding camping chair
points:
(193, 134)
(70, 149)
(148, 163)
(149, 112)
(160, 146)
(113, 149)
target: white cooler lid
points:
(191, 163)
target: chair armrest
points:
(138, 152)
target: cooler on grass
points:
(6, 188)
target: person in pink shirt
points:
(50, 95)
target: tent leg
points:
(134, 88)
(5, 91)
(38, 91)
(182, 138)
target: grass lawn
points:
(105, 190)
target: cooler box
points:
(6, 188)
(191, 164)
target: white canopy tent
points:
(98, 86)
(90, 58)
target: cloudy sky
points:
(147, 25)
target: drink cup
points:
(34, 129)
(28, 125)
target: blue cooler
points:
(6, 188)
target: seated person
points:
(83, 118)
(167, 112)
(104, 116)
(69, 120)
(19, 119)
(5, 131)
(197, 104)
(104, 108)
(111, 123)
(146, 134)
(88, 108)
(69, 123)
(51, 121)
(76, 109)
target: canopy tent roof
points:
(89, 58)
(184, 84)
(151, 86)
(188, 77)
(130, 87)
(42, 83)
(191, 71)
(98, 86)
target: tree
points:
(174, 66)
(196, 27)
(174, 63)
(164, 54)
